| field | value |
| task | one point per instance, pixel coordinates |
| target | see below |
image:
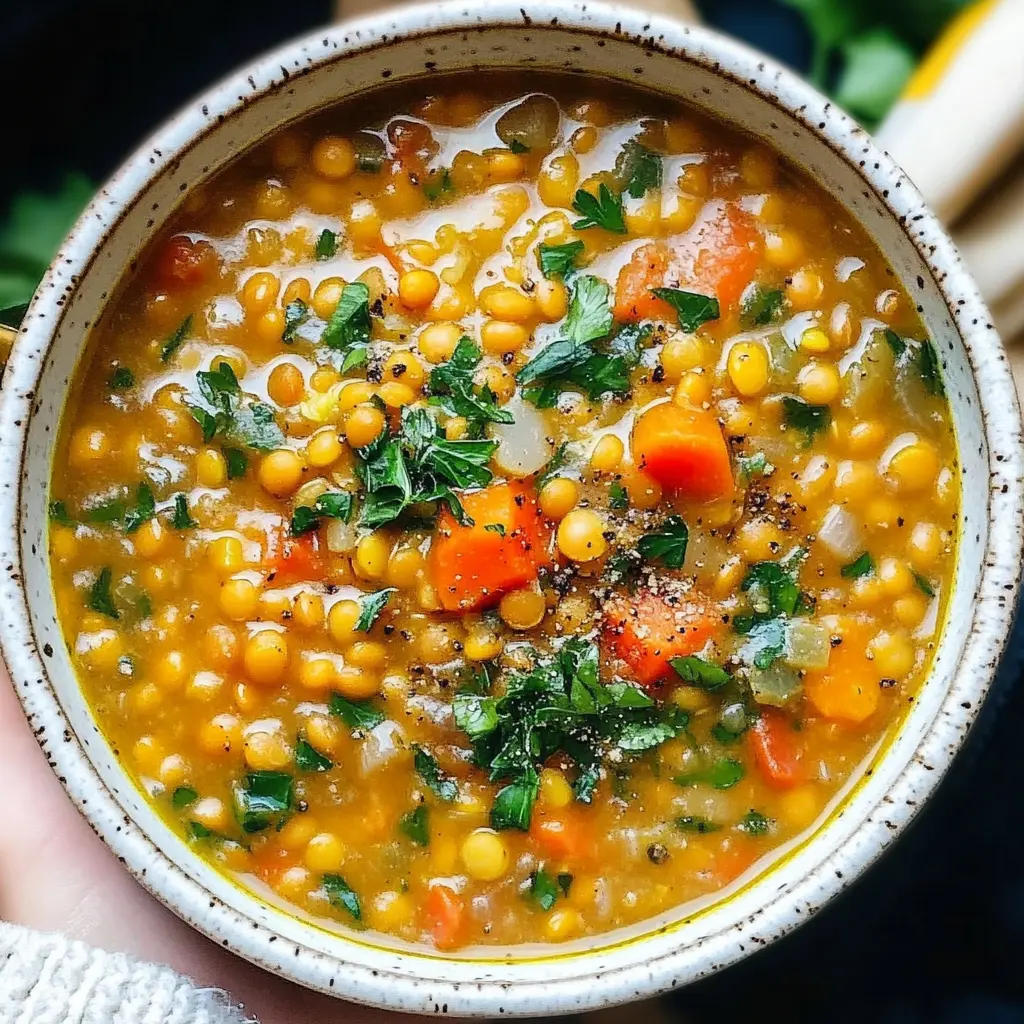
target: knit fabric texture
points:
(48, 979)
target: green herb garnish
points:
(692, 308)
(668, 546)
(326, 245)
(358, 715)
(341, 894)
(439, 782)
(370, 607)
(263, 799)
(182, 519)
(558, 260)
(799, 415)
(331, 505)
(415, 825)
(121, 379)
(601, 211)
(860, 566)
(296, 313)
(698, 672)
(175, 341)
(100, 599)
(309, 759)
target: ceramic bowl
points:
(726, 80)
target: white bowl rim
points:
(391, 984)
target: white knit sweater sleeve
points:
(48, 979)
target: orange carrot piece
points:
(291, 559)
(444, 912)
(646, 632)
(182, 263)
(684, 450)
(846, 691)
(634, 298)
(718, 256)
(567, 837)
(775, 748)
(471, 566)
(733, 857)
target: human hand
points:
(56, 875)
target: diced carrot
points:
(846, 691)
(567, 836)
(645, 631)
(183, 263)
(733, 857)
(634, 296)
(776, 751)
(718, 256)
(444, 911)
(684, 450)
(472, 566)
(290, 559)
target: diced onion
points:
(840, 533)
(341, 536)
(383, 744)
(807, 645)
(776, 685)
(524, 447)
(533, 122)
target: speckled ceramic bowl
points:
(726, 80)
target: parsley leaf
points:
(233, 415)
(860, 566)
(723, 774)
(761, 306)
(356, 714)
(640, 167)
(544, 889)
(331, 505)
(341, 894)
(692, 308)
(296, 313)
(475, 714)
(453, 388)
(928, 366)
(237, 462)
(699, 672)
(370, 607)
(558, 260)
(415, 825)
(601, 211)
(590, 310)
(513, 804)
(618, 496)
(176, 340)
(773, 586)
(349, 326)
(263, 799)
(923, 584)
(799, 415)
(696, 823)
(516, 146)
(326, 245)
(182, 520)
(309, 759)
(59, 513)
(121, 379)
(440, 783)
(144, 510)
(183, 797)
(755, 824)
(667, 546)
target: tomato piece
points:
(646, 632)
(683, 449)
(291, 559)
(444, 912)
(471, 566)
(776, 750)
(183, 264)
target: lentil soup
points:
(504, 519)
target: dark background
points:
(935, 932)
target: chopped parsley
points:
(495, 528)
(370, 607)
(341, 894)
(358, 715)
(309, 759)
(182, 519)
(601, 211)
(761, 306)
(800, 415)
(723, 774)
(326, 245)
(121, 379)
(59, 513)
(860, 566)
(696, 823)
(143, 510)
(516, 146)
(263, 799)
(348, 330)
(183, 797)
(100, 599)
(331, 505)
(229, 413)
(692, 308)
(639, 167)
(544, 890)
(453, 388)
(439, 782)
(237, 462)
(176, 340)
(618, 496)
(923, 584)
(558, 260)
(754, 823)
(668, 546)
(415, 825)
(698, 672)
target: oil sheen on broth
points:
(502, 516)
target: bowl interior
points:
(724, 80)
